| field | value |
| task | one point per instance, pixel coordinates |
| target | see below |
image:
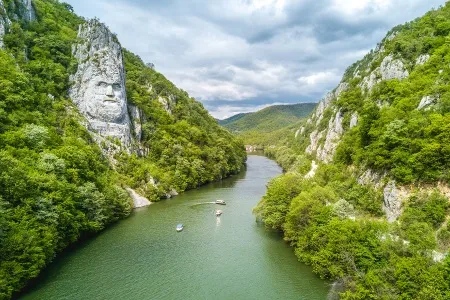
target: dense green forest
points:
(268, 119)
(232, 119)
(267, 126)
(337, 223)
(187, 148)
(57, 186)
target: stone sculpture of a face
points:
(104, 92)
(99, 83)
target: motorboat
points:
(218, 213)
(221, 202)
(180, 227)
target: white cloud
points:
(355, 7)
(252, 52)
(318, 78)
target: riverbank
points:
(143, 257)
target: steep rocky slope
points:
(372, 207)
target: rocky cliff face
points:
(26, 10)
(98, 91)
(99, 86)
(331, 121)
(4, 22)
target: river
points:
(230, 257)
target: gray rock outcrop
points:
(323, 105)
(393, 69)
(300, 131)
(390, 68)
(354, 120)
(426, 102)
(5, 22)
(438, 256)
(136, 116)
(30, 13)
(313, 170)
(335, 131)
(314, 137)
(392, 201)
(370, 177)
(99, 83)
(138, 200)
(167, 103)
(370, 81)
(422, 59)
(342, 87)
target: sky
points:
(243, 55)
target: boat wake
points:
(202, 203)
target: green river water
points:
(231, 257)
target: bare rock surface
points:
(390, 68)
(392, 201)
(315, 136)
(335, 131)
(426, 102)
(4, 23)
(138, 200)
(422, 59)
(99, 82)
(354, 120)
(313, 170)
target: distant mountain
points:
(232, 119)
(268, 119)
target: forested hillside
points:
(268, 119)
(365, 200)
(57, 182)
(232, 119)
(270, 125)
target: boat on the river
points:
(221, 202)
(180, 227)
(218, 213)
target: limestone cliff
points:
(24, 10)
(4, 22)
(99, 86)
(98, 91)
(333, 119)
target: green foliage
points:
(275, 204)
(268, 119)
(186, 146)
(410, 144)
(431, 209)
(56, 185)
(336, 224)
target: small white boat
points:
(218, 213)
(221, 202)
(180, 227)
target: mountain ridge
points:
(268, 119)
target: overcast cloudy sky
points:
(242, 55)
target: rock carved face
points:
(98, 87)
(105, 97)
(102, 94)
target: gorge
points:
(91, 134)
